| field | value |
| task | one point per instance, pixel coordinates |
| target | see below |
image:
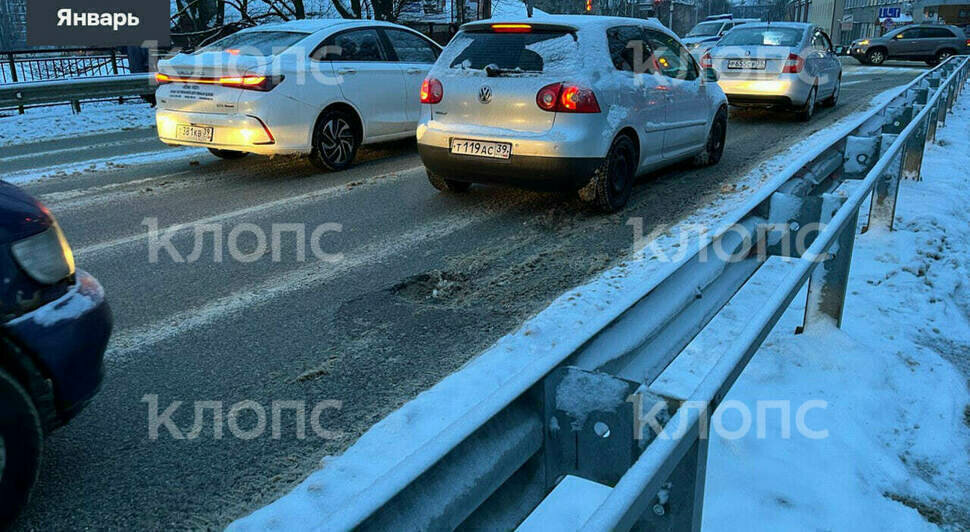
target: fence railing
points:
(21, 66)
(490, 444)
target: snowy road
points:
(425, 282)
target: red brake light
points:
(512, 28)
(251, 82)
(431, 91)
(968, 42)
(565, 98)
(706, 61)
(793, 65)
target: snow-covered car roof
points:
(580, 22)
(318, 24)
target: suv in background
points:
(932, 43)
(54, 327)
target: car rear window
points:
(526, 52)
(255, 43)
(745, 36)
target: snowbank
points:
(894, 379)
(59, 121)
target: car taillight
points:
(968, 43)
(706, 61)
(431, 91)
(566, 98)
(793, 65)
(249, 82)
(512, 28)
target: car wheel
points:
(447, 185)
(833, 100)
(612, 183)
(21, 440)
(943, 55)
(227, 154)
(807, 112)
(335, 141)
(715, 141)
(875, 57)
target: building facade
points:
(828, 15)
(872, 18)
(955, 12)
(13, 24)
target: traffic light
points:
(589, 5)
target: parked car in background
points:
(55, 326)
(566, 102)
(932, 43)
(786, 65)
(705, 34)
(316, 87)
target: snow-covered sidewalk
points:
(894, 382)
(59, 121)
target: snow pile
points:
(59, 121)
(894, 379)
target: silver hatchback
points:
(566, 102)
(789, 65)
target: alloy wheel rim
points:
(620, 172)
(877, 57)
(337, 140)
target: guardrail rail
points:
(496, 455)
(20, 95)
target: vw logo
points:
(485, 94)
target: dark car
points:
(54, 327)
(932, 43)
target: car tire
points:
(806, 113)
(227, 154)
(612, 183)
(21, 442)
(447, 185)
(833, 100)
(336, 138)
(714, 148)
(876, 57)
(943, 55)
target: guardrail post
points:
(931, 123)
(680, 504)
(76, 106)
(882, 208)
(13, 77)
(827, 285)
(913, 154)
(942, 107)
(114, 69)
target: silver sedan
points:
(789, 65)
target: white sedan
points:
(316, 87)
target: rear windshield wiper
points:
(493, 71)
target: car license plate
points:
(747, 64)
(193, 133)
(480, 148)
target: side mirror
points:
(710, 75)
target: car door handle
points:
(346, 71)
(415, 71)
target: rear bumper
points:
(528, 171)
(235, 131)
(785, 90)
(67, 337)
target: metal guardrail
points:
(75, 90)
(492, 459)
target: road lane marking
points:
(59, 151)
(282, 203)
(132, 340)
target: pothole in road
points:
(435, 286)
